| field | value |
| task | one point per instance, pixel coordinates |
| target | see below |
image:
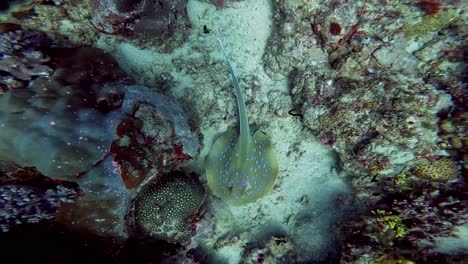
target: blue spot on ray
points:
(238, 151)
(242, 180)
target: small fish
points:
(241, 168)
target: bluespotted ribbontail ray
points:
(241, 168)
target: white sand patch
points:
(244, 28)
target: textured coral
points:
(154, 137)
(442, 169)
(144, 21)
(13, 39)
(28, 197)
(20, 204)
(432, 212)
(164, 207)
(73, 117)
(360, 90)
(407, 221)
(65, 21)
(20, 57)
(454, 133)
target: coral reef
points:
(75, 94)
(22, 205)
(408, 217)
(65, 21)
(165, 206)
(21, 59)
(373, 131)
(431, 24)
(431, 212)
(362, 85)
(454, 136)
(28, 197)
(392, 259)
(154, 136)
(442, 169)
(381, 84)
(73, 116)
(144, 22)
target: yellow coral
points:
(394, 222)
(431, 24)
(401, 178)
(443, 169)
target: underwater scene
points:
(233, 131)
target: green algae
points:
(432, 23)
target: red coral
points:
(219, 3)
(335, 28)
(430, 7)
(347, 37)
(179, 154)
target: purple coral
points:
(431, 213)
(28, 205)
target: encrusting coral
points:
(442, 169)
